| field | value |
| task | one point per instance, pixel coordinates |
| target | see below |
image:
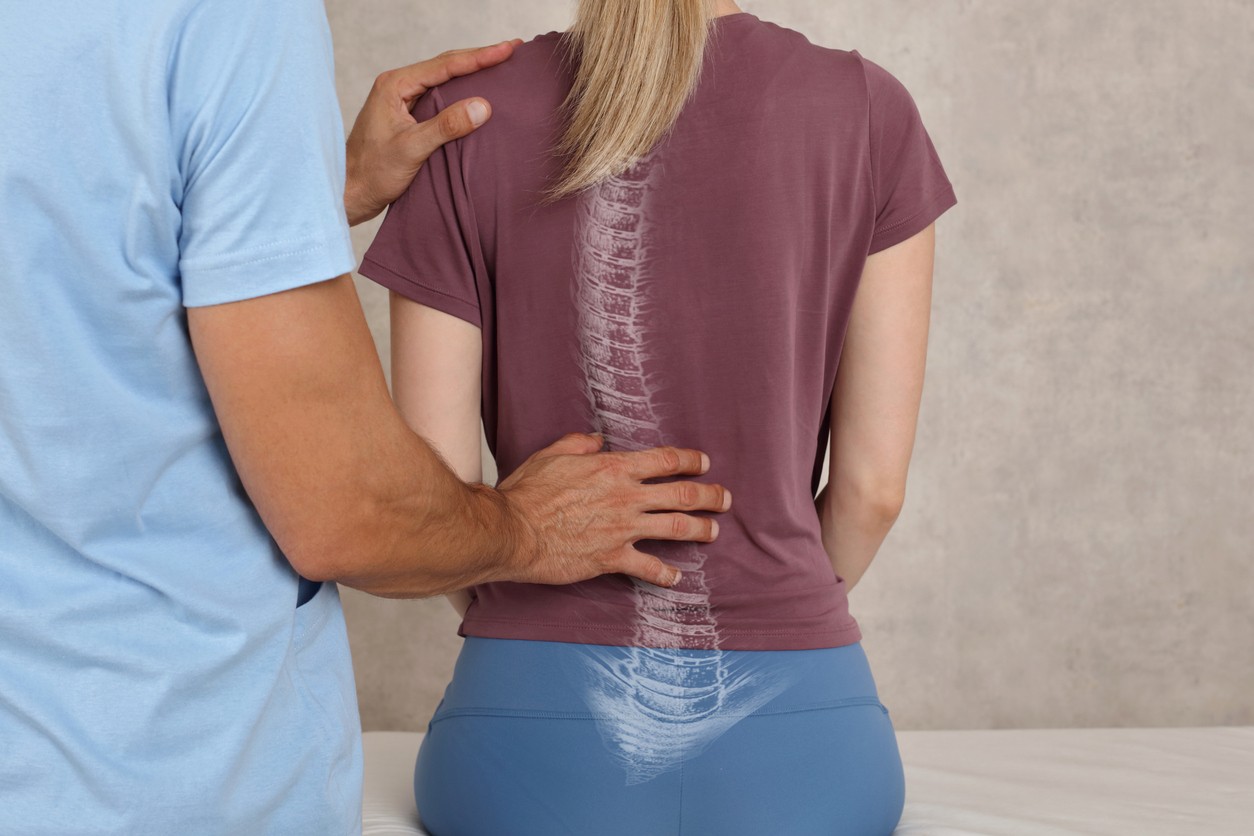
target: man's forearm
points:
(351, 494)
(419, 531)
(347, 489)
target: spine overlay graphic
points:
(674, 691)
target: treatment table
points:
(1012, 782)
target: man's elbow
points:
(317, 561)
(353, 555)
(332, 547)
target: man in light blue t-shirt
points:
(173, 258)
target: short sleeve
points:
(427, 248)
(259, 146)
(909, 183)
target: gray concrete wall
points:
(1077, 546)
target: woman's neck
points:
(725, 7)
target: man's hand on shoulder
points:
(387, 146)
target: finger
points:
(514, 41)
(646, 567)
(412, 81)
(677, 527)
(666, 461)
(455, 121)
(573, 444)
(686, 496)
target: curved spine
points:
(671, 694)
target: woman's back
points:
(700, 299)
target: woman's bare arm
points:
(436, 377)
(875, 404)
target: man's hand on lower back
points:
(580, 512)
(386, 146)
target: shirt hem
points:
(321, 261)
(418, 292)
(916, 222)
(617, 635)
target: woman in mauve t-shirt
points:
(682, 226)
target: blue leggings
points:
(560, 739)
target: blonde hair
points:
(637, 63)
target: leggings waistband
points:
(517, 677)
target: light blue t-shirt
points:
(156, 675)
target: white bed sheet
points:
(1050, 782)
(1014, 782)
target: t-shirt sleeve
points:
(259, 146)
(909, 183)
(427, 248)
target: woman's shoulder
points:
(823, 68)
(537, 74)
(848, 71)
(880, 82)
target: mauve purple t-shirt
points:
(700, 299)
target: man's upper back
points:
(160, 679)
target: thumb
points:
(454, 122)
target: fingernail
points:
(726, 499)
(713, 529)
(705, 462)
(478, 113)
(675, 576)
